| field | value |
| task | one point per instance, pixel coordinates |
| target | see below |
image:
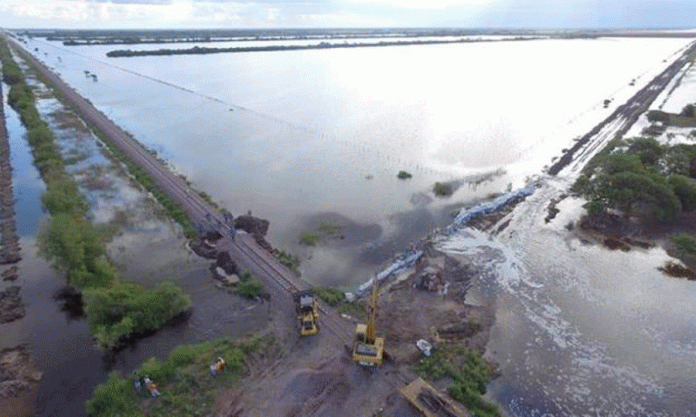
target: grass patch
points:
(186, 387)
(291, 261)
(353, 308)
(330, 296)
(248, 286)
(469, 374)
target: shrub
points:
(685, 189)
(443, 189)
(403, 175)
(658, 116)
(686, 244)
(331, 296)
(594, 207)
(115, 397)
(289, 260)
(116, 312)
(249, 289)
(469, 374)
(648, 150)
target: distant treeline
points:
(263, 34)
(196, 50)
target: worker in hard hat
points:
(151, 387)
(218, 366)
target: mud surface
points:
(11, 306)
(308, 377)
(18, 381)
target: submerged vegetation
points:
(640, 177)
(324, 230)
(183, 379)
(469, 376)
(443, 189)
(403, 175)
(115, 309)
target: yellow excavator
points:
(307, 312)
(369, 349)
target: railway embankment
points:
(115, 309)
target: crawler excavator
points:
(369, 348)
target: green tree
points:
(685, 189)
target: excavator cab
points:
(307, 312)
(369, 348)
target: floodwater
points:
(295, 135)
(148, 250)
(580, 330)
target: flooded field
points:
(313, 140)
(148, 248)
(294, 136)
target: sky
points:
(158, 14)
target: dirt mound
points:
(11, 306)
(10, 274)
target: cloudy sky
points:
(347, 13)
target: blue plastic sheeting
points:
(397, 266)
(463, 218)
(460, 221)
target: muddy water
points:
(149, 249)
(582, 330)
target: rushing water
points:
(580, 330)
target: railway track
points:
(272, 273)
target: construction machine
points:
(369, 349)
(307, 312)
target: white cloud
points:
(423, 5)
